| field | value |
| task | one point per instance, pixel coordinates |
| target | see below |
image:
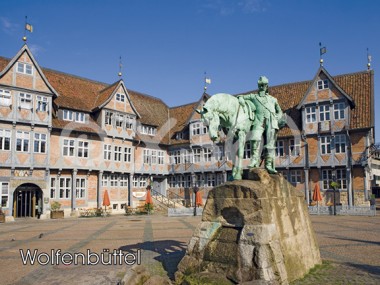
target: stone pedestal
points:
(254, 231)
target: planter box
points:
(57, 214)
(2, 218)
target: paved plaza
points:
(349, 245)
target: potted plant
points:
(2, 216)
(372, 200)
(56, 212)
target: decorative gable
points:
(195, 116)
(24, 72)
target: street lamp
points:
(334, 185)
(196, 189)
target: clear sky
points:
(167, 45)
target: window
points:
(105, 180)
(294, 147)
(135, 182)
(22, 143)
(39, 143)
(200, 180)
(175, 157)
(79, 117)
(196, 129)
(324, 113)
(124, 180)
(68, 147)
(340, 143)
(82, 149)
(219, 152)
(160, 157)
(197, 155)
(323, 84)
(148, 130)
(52, 188)
(119, 119)
(64, 187)
(24, 68)
(172, 181)
(128, 122)
(154, 156)
(341, 178)
(120, 97)
(207, 154)
(67, 115)
(5, 97)
(280, 148)
(108, 118)
(81, 188)
(127, 154)
(326, 179)
(310, 114)
(146, 156)
(107, 151)
(113, 180)
(180, 181)
(247, 150)
(295, 176)
(42, 104)
(4, 194)
(142, 182)
(219, 179)
(5, 139)
(117, 153)
(210, 179)
(325, 145)
(339, 111)
(25, 101)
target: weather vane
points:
(28, 27)
(207, 81)
(322, 50)
(369, 59)
(120, 66)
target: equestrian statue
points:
(247, 117)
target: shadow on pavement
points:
(371, 269)
(170, 252)
(358, 240)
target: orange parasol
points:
(198, 199)
(106, 199)
(317, 193)
(148, 199)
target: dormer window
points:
(42, 104)
(148, 130)
(339, 111)
(69, 115)
(5, 97)
(120, 97)
(323, 84)
(24, 68)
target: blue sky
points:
(167, 45)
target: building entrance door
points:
(27, 201)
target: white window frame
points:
(197, 154)
(119, 120)
(219, 152)
(42, 103)
(80, 189)
(247, 150)
(25, 101)
(325, 144)
(128, 122)
(295, 176)
(210, 179)
(105, 178)
(68, 147)
(113, 180)
(324, 113)
(322, 84)
(280, 149)
(24, 68)
(5, 97)
(5, 139)
(142, 181)
(135, 182)
(124, 180)
(341, 178)
(326, 179)
(80, 117)
(107, 150)
(340, 143)
(153, 155)
(118, 152)
(310, 114)
(161, 157)
(68, 115)
(108, 118)
(219, 178)
(64, 188)
(127, 154)
(40, 143)
(294, 147)
(120, 97)
(83, 147)
(207, 154)
(196, 129)
(22, 141)
(339, 111)
(146, 156)
(53, 190)
(172, 181)
(4, 194)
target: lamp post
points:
(196, 189)
(334, 185)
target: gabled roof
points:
(324, 71)
(10, 63)
(204, 97)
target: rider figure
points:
(268, 117)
